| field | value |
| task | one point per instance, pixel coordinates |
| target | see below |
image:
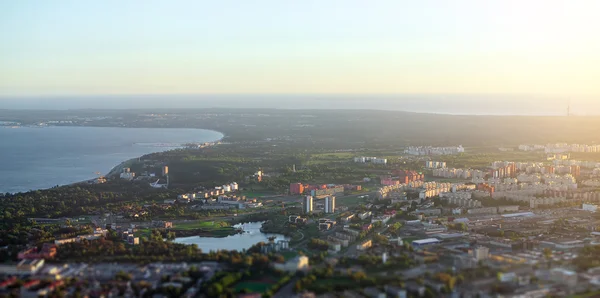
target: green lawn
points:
(350, 201)
(208, 225)
(143, 233)
(289, 255)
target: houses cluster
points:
(321, 190)
(326, 224)
(429, 150)
(48, 251)
(98, 232)
(430, 164)
(342, 238)
(397, 190)
(460, 198)
(561, 148)
(224, 202)
(101, 279)
(458, 173)
(401, 177)
(216, 191)
(370, 159)
(296, 219)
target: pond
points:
(245, 240)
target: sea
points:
(455, 104)
(34, 158)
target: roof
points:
(450, 235)
(426, 241)
(524, 214)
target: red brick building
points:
(296, 188)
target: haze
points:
(546, 48)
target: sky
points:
(60, 47)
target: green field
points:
(257, 284)
(349, 201)
(288, 255)
(143, 233)
(207, 225)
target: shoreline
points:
(117, 168)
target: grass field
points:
(207, 225)
(349, 201)
(288, 255)
(143, 233)
(257, 284)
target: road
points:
(287, 290)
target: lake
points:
(42, 157)
(251, 236)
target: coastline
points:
(114, 171)
(127, 163)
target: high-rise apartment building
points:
(330, 204)
(308, 204)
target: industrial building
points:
(296, 188)
(425, 242)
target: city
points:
(414, 222)
(300, 149)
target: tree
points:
(358, 276)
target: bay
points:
(42, 157)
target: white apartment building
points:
(307, 204)
(330, 204)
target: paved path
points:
(287, 290)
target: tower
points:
(308, 204)
(330, 204)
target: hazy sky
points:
(323, 46)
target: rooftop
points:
(426, 241)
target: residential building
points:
(307, 204)
(330, 204)
(364, 245)
(299, 263)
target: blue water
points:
(249, 237)
(467, 104)
(43, 157)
